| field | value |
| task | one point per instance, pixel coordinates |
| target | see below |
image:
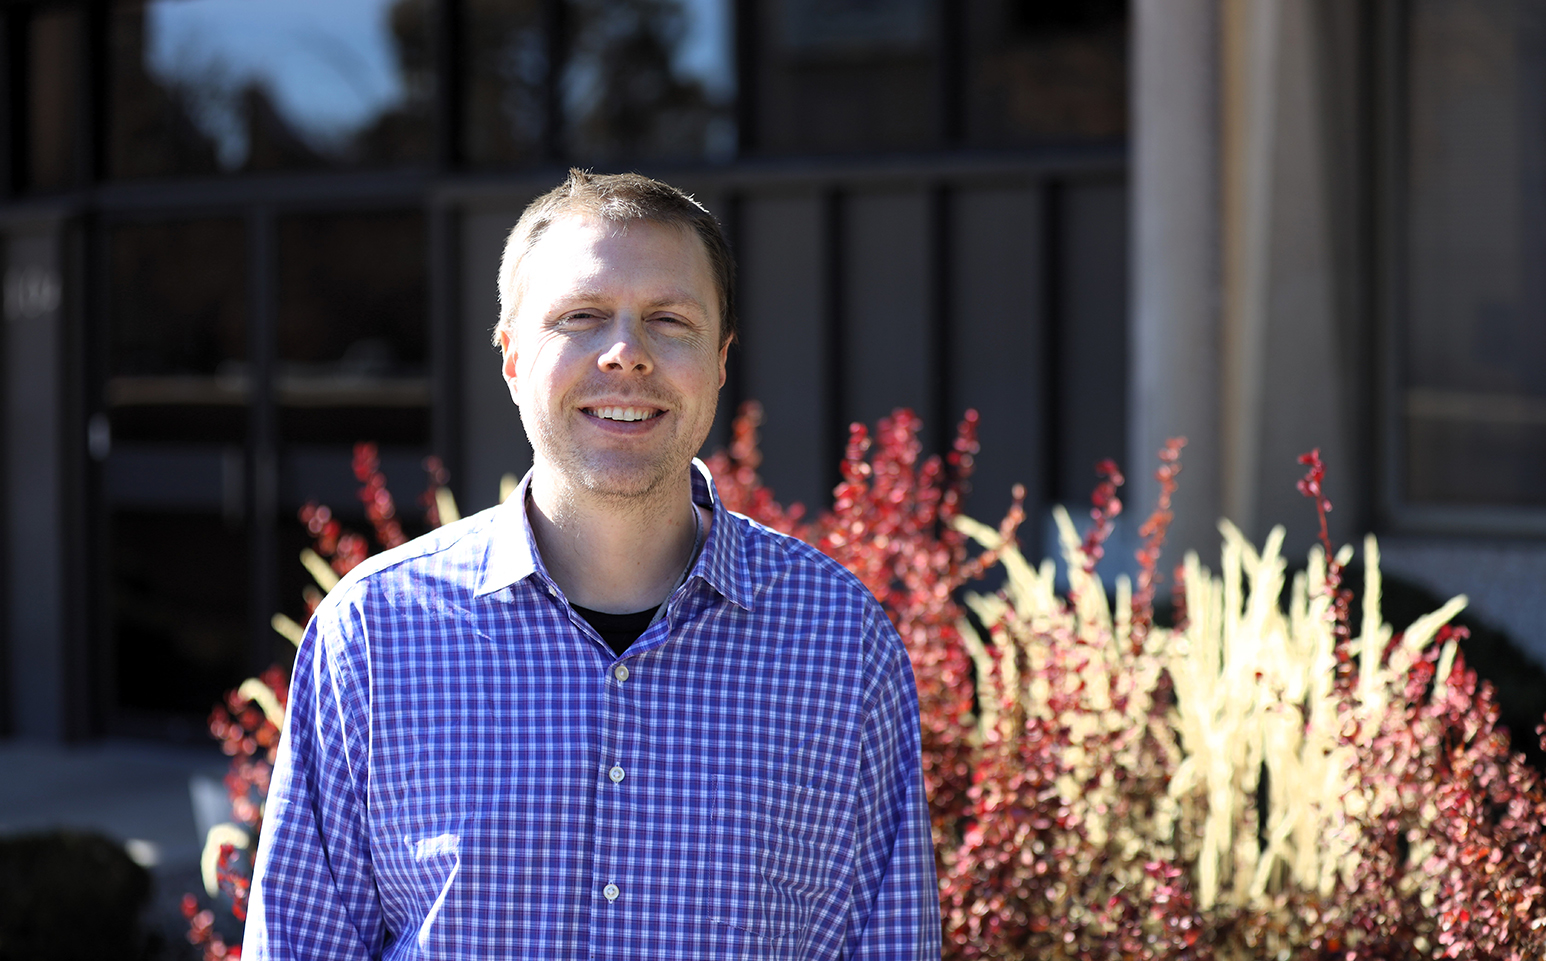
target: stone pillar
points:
(1174, 362)
(1282, 334)
(35, 482)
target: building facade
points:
(239, 237)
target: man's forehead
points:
(581, 228)
(584, 223)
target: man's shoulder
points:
(452, 555)
(785, 558)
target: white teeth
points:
(623, 413)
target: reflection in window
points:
(1039, 72)
(864, 76)
(648, 78)
(175, 472)
(179, 596)
(179, 297)
(353, 293)
(235, 85)
(1473, 405)
(53, 59)
(353, 328)
(639, 78)
(505, 79)
(177, 322)
(848, 75)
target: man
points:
(608, 718)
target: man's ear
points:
(507, 351)
(724, 356)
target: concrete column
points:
(34, 481)
(1175, 311)
(1283, 384)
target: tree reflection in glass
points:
(205, 86)
(647, 79)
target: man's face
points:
(614, 356)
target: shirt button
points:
(616, 774)
(611, 892)
(620, 672)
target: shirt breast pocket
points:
(782, 853)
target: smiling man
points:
(608, 718)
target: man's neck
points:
(614, 556)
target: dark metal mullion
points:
(101, 670)
(951, 65)
(1366, 296)
(17, 128)
(835, 401)
(262, 493)
(1389, 233)
(91, 101)
(555, 22)
(747, 63)
(76, 669)
(8, 140)
(449, 57)
(941, 297)
(1053, 382)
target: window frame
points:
(1396, 512)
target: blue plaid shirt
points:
(468, 771)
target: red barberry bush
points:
(1262, 780)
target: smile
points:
(623, 413)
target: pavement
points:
(140, 794)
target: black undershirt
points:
(618, 630)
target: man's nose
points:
(628, 352)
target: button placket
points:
(613, 809)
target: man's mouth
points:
(623, 413)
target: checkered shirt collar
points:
(723, 563)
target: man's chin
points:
(631, 482)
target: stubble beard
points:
(628, 483)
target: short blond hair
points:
(617, 199)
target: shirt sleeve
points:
(896, 887)
(313, 890)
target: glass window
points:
(177, 331)
(353, 297)
(174, 477)
(1472, 403)
(639, 79)
(863, 76)
(180, 610)
(236, 85)
(648, 78)
(53, 106)
(505, 73)
(847, 75)
(1039, 72)
(353, 330)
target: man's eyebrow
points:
(668, 299)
